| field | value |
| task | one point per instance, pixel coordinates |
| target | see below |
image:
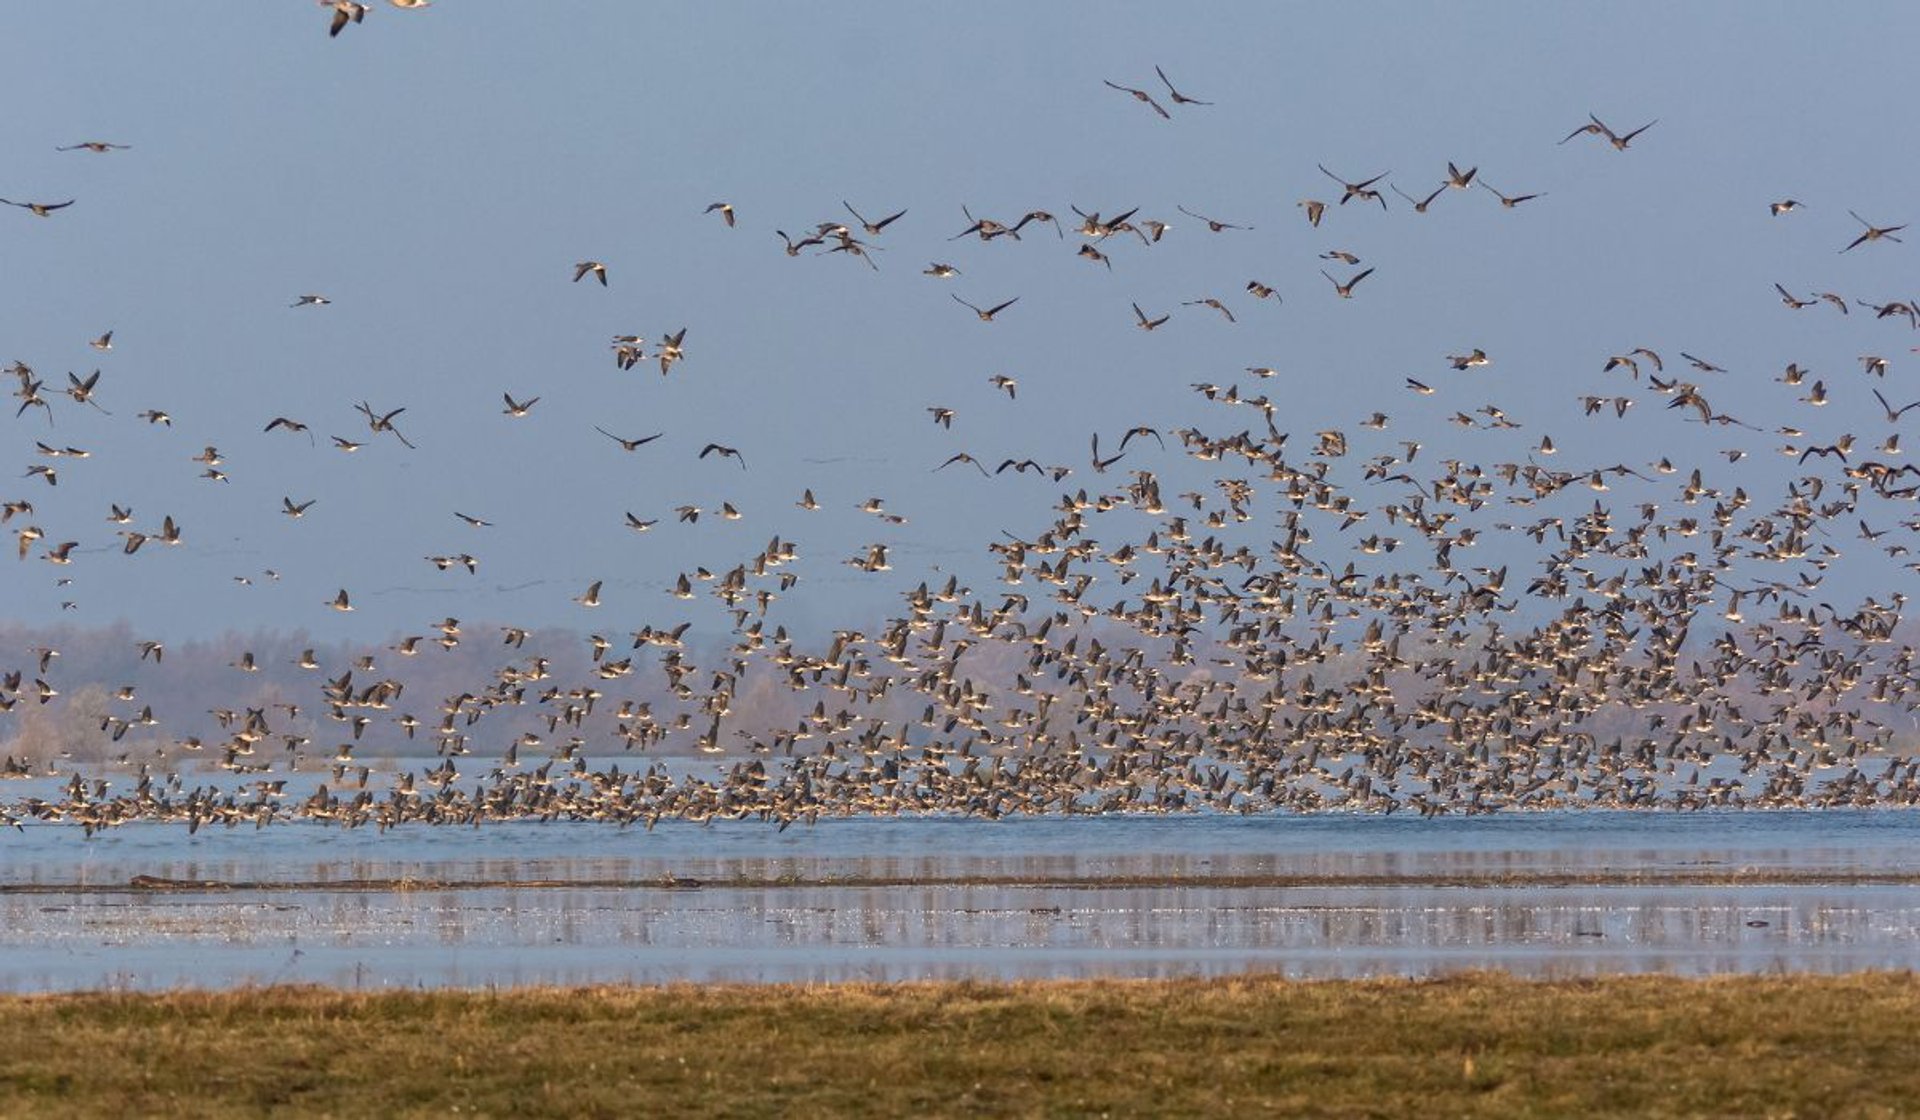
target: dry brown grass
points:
(1481, 1045)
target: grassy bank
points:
(1472, 1045)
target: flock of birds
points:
(1309, 630)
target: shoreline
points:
(1753, 876)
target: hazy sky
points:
(437, 174)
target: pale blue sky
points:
(437, 173)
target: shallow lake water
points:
(1538, 894)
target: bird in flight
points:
(1510, 201)
(1420, 204)
(344, 12)
(1596, 127)
(1361, 190)
(519, 408)
(289, 424)
(1893, 414)
(987, 315)
(1873, 233)
(794, 247)
(1346, 289)
(1793, 301)
(1147, 324)
(963, 457)
(1212, 225)
(724, 452)
(44, 209)
(383, 423)
(100, 146)
(1213, 303)
(1142, 95)
(1178, 97)
(599, 271)
(726, 211)
(310, 301)
(873, 228)
(628, 444)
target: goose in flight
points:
(96, 146)
(1213, 303)
(724, 452)
(725, 209)
(1873, 232)
(518, 408)
(1790, 300)
(1213, 226)
(794, 247)
(629, 444)
(671, 349)
(383, 423)
(873, 228)
(1346, 289)
(1362, 190)
(1596, 127)
(1037, 216)
(1510, 201)
(1420, 204)
(1147, 324)
(289, 424)
(1893, 414)
(43, 209)
(344, 12)
(963, 457)
(987, 315)
(599, 271)
(81, 388)
(1178, 97)
(310, 301)
(1143, 96)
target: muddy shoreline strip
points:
(1740, 877)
